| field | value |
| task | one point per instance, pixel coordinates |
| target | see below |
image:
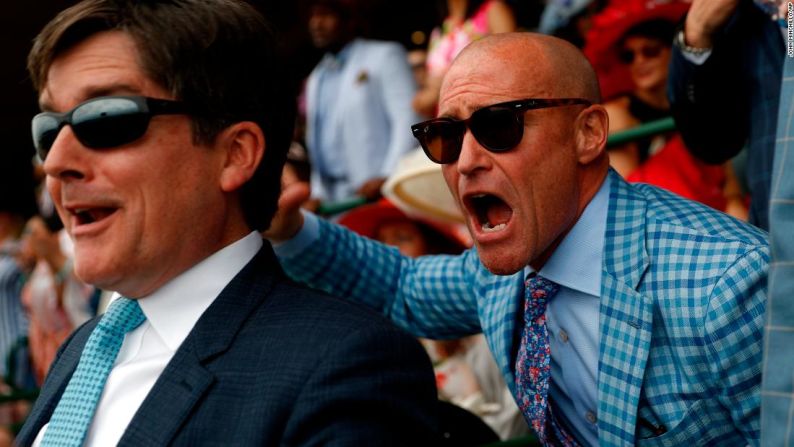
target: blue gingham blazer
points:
(682, 304)
(777, 389)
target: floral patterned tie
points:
(533, 364)
(71, 418)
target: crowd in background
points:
(358, 105)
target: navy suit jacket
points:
(273, 363)
(733, 98)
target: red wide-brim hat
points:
(609, 27)
(366, 219)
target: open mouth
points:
(491, 213)
(86, 216)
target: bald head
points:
(549, 66)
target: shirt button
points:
(591, 417)
(563, 336)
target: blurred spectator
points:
(636, 37)
(17, 204)
(725, 75)
(464, 21)
(55, 300)
(569, 19)
(358, 111)
(466, 372)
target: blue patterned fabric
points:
(777, 419)
(71, 418)
(682, 304)
(533, 363)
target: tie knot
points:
(539, 291)
(122, 316)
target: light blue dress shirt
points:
(572, 317)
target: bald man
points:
(619, 314)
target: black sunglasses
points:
(498, 127)
(627, 55)
(104, 122)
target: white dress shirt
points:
(171, 312)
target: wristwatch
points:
(680, 42)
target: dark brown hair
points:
(218, 56)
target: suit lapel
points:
(311, 112)
(351, 67)
(626, 316)
(186, 378)
(499, 316)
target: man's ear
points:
(244, 143)
(592, 128)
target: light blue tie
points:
(72, 416)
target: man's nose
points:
(473, 156)
(66, 158)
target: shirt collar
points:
(576, 263)
(335, 61)
(173, 309)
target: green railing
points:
(333, 208)
(648, 129)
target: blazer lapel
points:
(626, 316)
(350, 60)
(186, 379)
(503, 298)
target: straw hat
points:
(417, 187)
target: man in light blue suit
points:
(358, 106)
(655, 304)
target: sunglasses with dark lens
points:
(104, 122)
(498, 127)
(627, 55)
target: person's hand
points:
(44, 244)
(288, 219)
(370, 190)
(425, 100)
(704, 19)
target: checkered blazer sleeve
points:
(430, 296)
(734, 331)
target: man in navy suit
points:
(163, 135)
(724, 86)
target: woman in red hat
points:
(630, 46)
